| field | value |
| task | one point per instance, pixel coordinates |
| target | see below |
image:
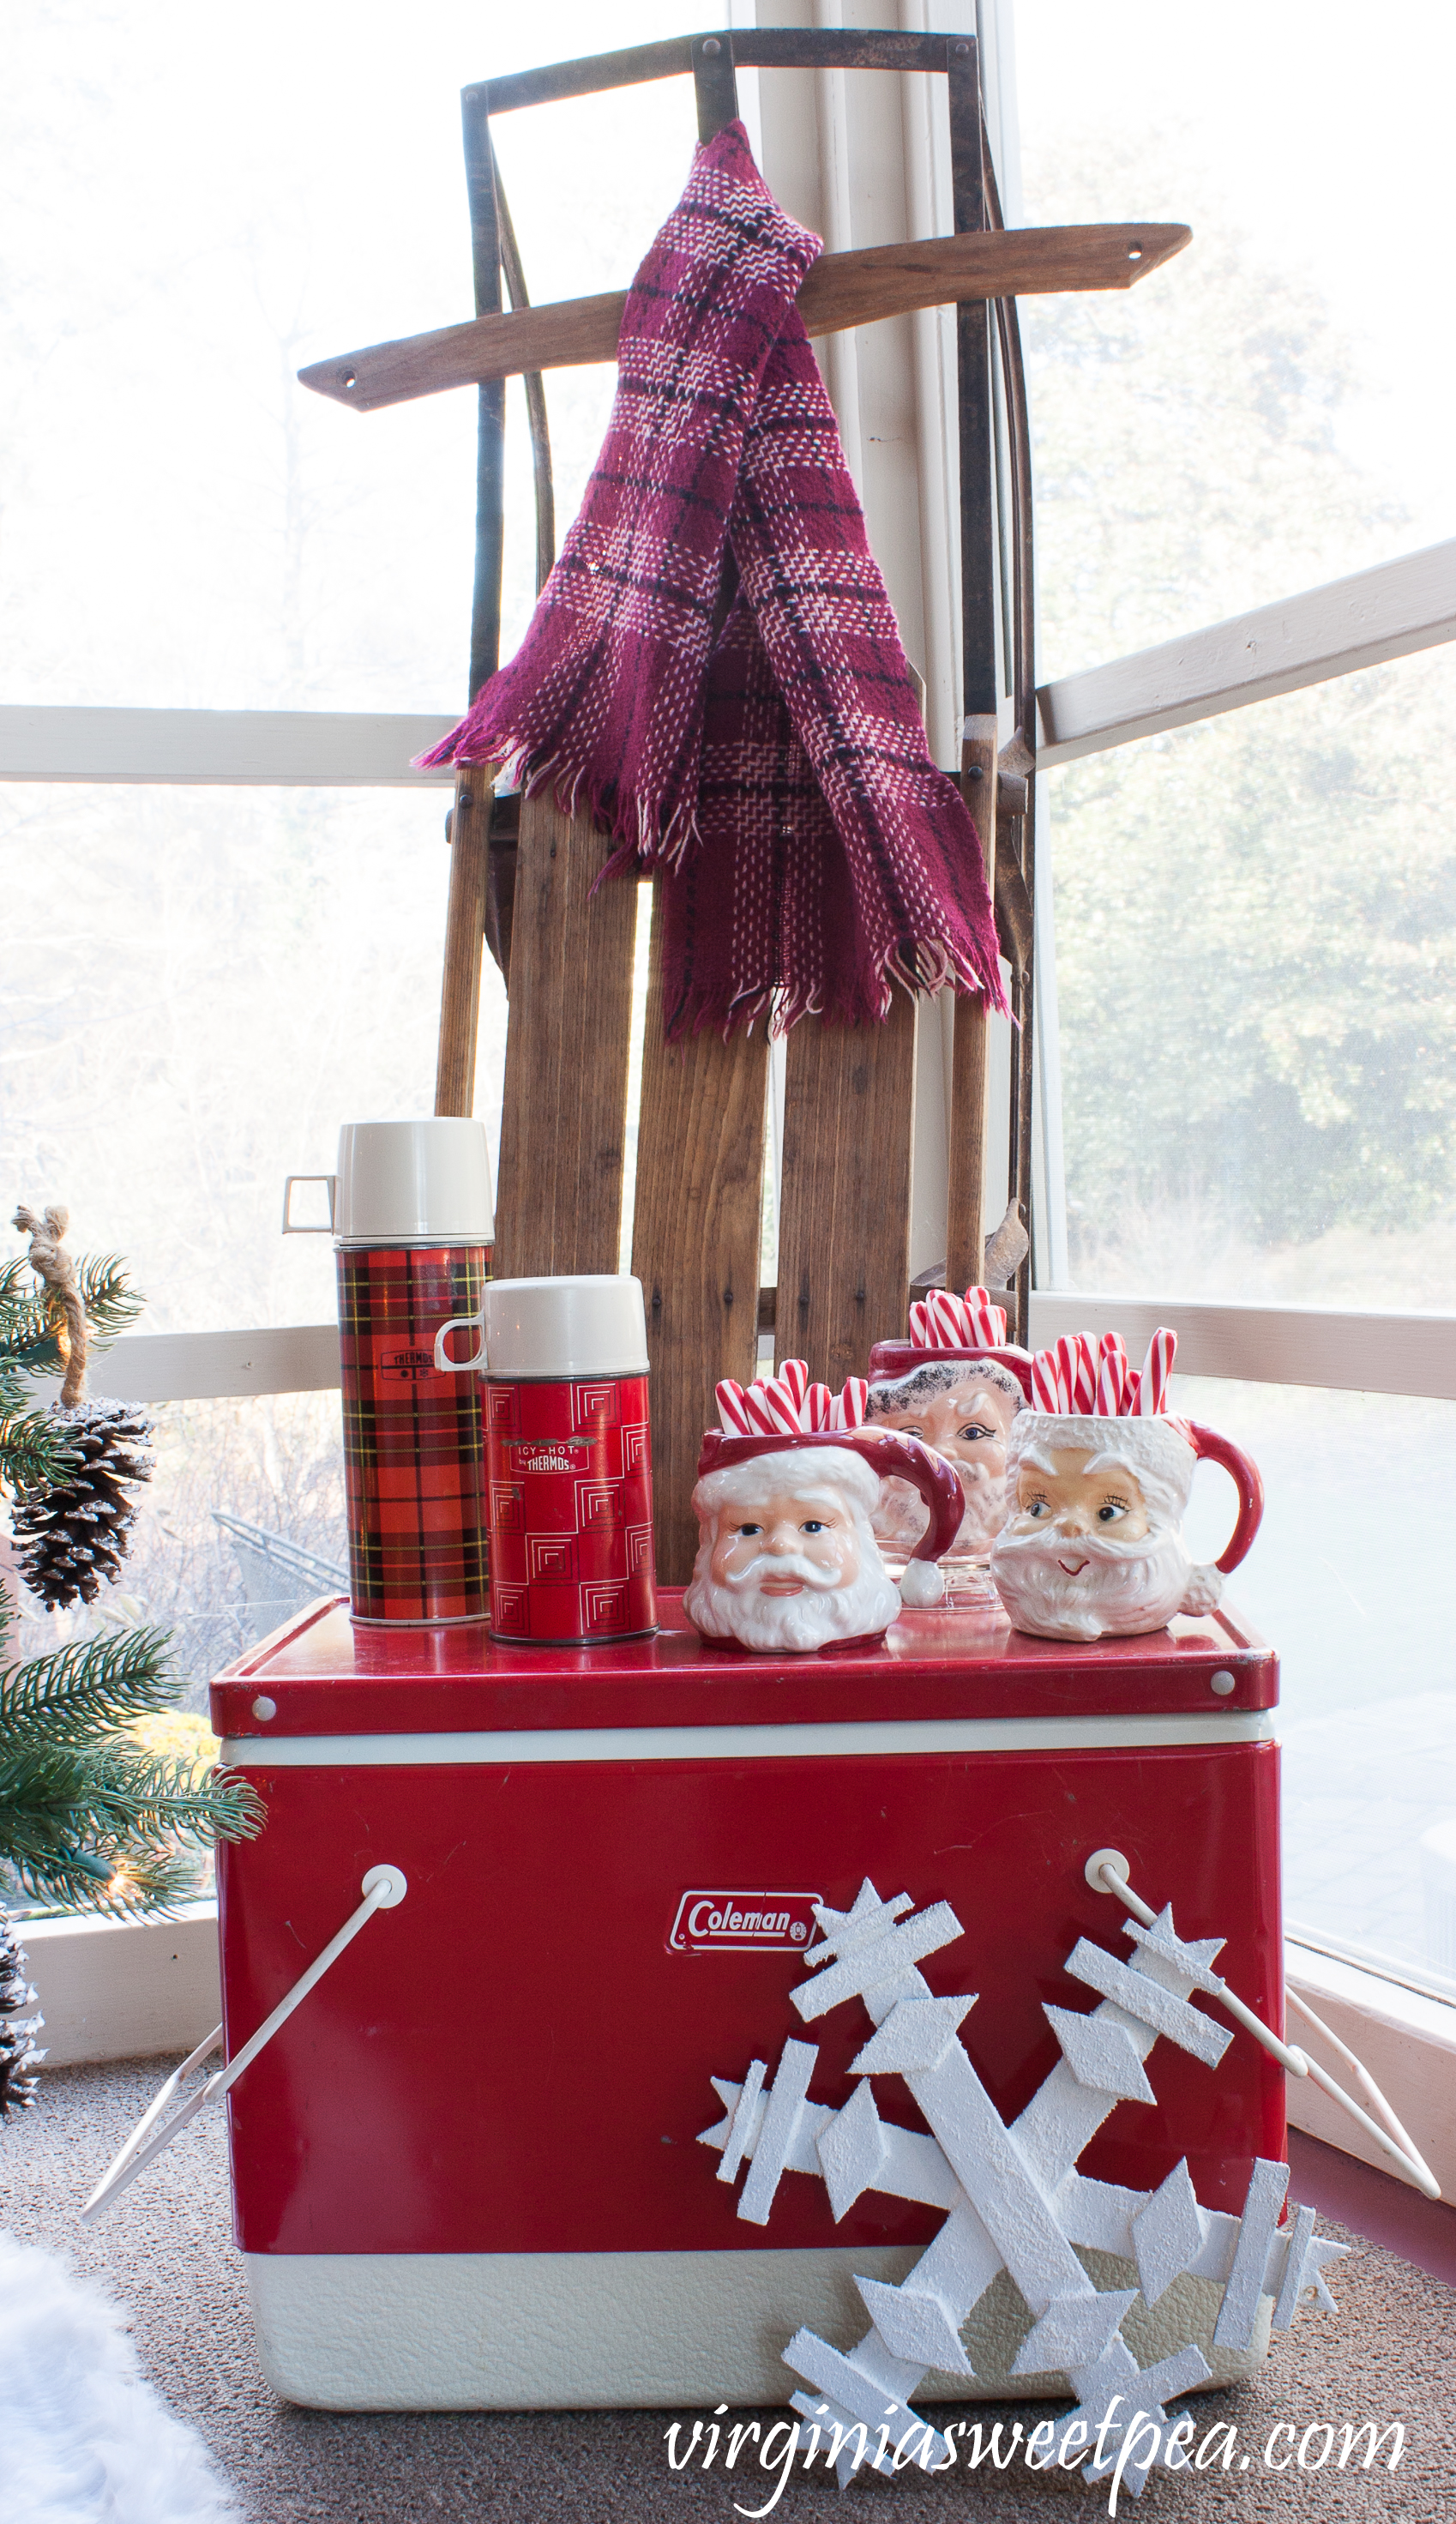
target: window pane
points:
(1272, 409)
(191, 219)
(1255, 937)
(1360, 1617)
(199, 986)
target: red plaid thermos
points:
(410, 1211)
(568, 1450)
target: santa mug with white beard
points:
(1097, 1487)
(787, 1561)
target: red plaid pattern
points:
(414, 1453)
(714, 668)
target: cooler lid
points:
(325, 1674)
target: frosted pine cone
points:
(70, 1540)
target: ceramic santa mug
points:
(787, 1558)
(568, 1456)
(1092, 1547)
(956, 1385)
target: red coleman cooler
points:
(466, 2171)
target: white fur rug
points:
(84, 2438)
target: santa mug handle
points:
(1211, 1448)
(886, 1451)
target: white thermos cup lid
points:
(591, 1324)
(417, 1183)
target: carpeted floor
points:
(1389, 2354)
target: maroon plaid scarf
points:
(714, 667)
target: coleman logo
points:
(708, 1922)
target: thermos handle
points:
(1211, 1448)
(445, 1365)
(289, 1181)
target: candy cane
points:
(782, 1398)
(1076, 1378)
(987, 1322)
(850, 1405)
(818, 1406)
(1062, 1357)
(1157, 1367)
(732, 1414)
(793, 1382)
(758, 1405)
(1112, 1376)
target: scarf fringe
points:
(922, 972)
(636, 828)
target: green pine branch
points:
(90, 1688)
(107, 1793)
(111, 1826)
(86, 1818)
(30, 1317)
(145, 1877)
(35, 1451)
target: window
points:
(1253, 913)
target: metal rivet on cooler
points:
(1223, 1683)
(262, 1707)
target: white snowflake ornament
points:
(1013, 2198)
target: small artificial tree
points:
(87, 1818)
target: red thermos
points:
(568, 1449)
(410, 1215)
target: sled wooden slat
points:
(841, 291)
(563, 1117)
(844, 1198)
(694, 1245)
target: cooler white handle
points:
(1107, 1872)
(382, 1888)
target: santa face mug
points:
(1092, 1547)
(956, 1386)
(964, 1407)
(787, 1558)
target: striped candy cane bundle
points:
(788, 1405)
(1083, 1377)
(942, 1320)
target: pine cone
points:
(18, 2053)
(70, 1540)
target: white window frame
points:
(113, 1989)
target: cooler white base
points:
(553, 2331)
